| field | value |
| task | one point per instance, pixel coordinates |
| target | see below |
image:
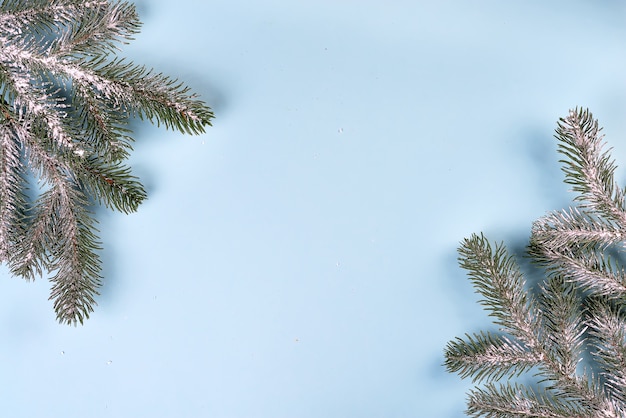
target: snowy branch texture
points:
(65, 99)
(571, 333)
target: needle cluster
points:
(570, 335)
(65, 99)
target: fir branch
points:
(40, 20)
(111, 184)
(65, 100)
(550, 330)
(100, 125)
(562, 329)
(590, 270)
(608, 337)
(559, 231)
(587, 167)
(100, 28)
(146, 94)
(497, 278)
(30, 256)
(73, 255)
(485, 356)
(507, 401)
(12, 198)
(580, 308)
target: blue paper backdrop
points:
(299, 260)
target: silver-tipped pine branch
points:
(65, 99)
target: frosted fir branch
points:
(100, 29)
(562, 332)
(590, 271)
(100, 125)
(65, 100)
(126, 87)
(73, 255)
(549, 330)
(39, 20)
(31, 257)
(608, 338)
(588, 168)
(580, 307)
(146, 94)
(507, 401)
(575, 228)
(497, 278)
(28, 87)
(12, 199)
(487, 357)
(112, 184)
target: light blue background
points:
(299, 260)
